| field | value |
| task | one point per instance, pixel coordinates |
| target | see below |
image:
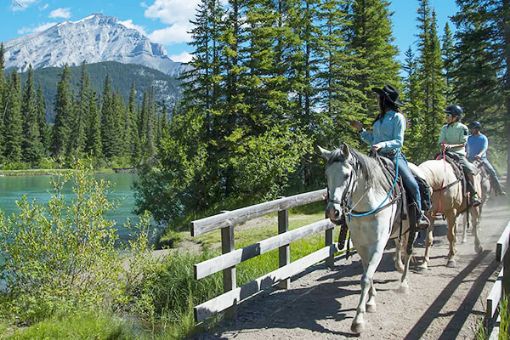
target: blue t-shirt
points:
(476, 145)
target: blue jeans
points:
(410, 184)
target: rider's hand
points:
(376, 148)
(445, 147)
(477, 157)
(356, 124)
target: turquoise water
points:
(12, 188)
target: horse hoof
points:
(403, 289)
(371, 308)
(357, 328)
(478, 249)
(451, 264)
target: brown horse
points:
(447, 199)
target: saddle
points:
(454, 160)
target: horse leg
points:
(371, 255)
(429, 240)
(371, 307)
(464, 227)
(452, 226)
(399, 266)
(476, 212)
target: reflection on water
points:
(39, 188)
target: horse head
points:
(339, 173)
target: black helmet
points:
(454, 110)
(475, 125)
(390, 93)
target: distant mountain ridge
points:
(96, 38)
(166, 88)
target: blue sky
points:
(167, 21)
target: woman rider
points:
(453, 138)
(387, 139)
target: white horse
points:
(354, 177)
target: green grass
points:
(84, 325)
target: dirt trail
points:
(443, 303)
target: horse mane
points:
(371, 169)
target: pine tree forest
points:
(269, 81)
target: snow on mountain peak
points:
(95, 38)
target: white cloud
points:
(172, 11)
(129, 24)
(177, 33)
(43, 7)
(64, 13)
(184, 57)
(40, 28)
(21, 5)
(176, 14)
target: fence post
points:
(229, 274)
(506, 271)
(283, 251)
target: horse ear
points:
(325, 153)
(345, 150)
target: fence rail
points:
(231, 257)
(501, 286)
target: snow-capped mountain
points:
(93, 39)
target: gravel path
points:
(443, 303)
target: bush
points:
(60, 258)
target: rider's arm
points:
(367, 136)
(485, 146)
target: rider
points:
(387, 138)
(453, 138)
(476, 147)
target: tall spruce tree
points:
(135, 148)
(63, 115)
(371, 41)
(44, 130)
(448, 53)
(13, 121)
(108, 120)
(93, 142)
(77, 145)
(32, 147)
(3, 101)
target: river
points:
(12, 188)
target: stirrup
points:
(423, 222)
(475, 201)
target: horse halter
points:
(344, 201)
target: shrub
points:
(60, 258)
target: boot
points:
(475, 201)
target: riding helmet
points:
(475, 125)
(454, 110)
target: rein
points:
(349, 210)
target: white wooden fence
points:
(501, 286)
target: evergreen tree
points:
(93, 141)
(63, 115)
(448, 51)
(135, 150)
(371, 40)
(13, 122)
(3, 100)
(32, 147)
(433, 85)
(44, 131)
(77, 145)
(108, 121)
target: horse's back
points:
(437, 173)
